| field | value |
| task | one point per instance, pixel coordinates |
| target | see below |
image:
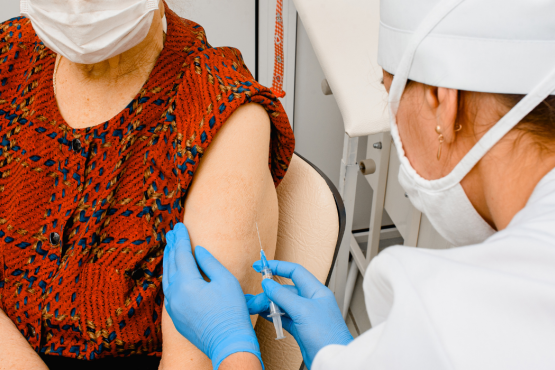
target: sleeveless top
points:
(84, 212)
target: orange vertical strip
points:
(279, 60)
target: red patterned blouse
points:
(84, 212)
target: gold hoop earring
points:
(441, 140)
(458, 128)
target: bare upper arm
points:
(232, 189)
(15, 351)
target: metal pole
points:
(347, 189)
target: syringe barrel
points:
(275, 312)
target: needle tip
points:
(258, 232)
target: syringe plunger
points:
(275, 314)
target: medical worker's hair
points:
(540, 123)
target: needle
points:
(258, 232)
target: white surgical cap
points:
(495, 46)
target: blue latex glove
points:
(311, 312)
(211, 315)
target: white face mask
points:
(88, 32)
(444, 201)
(448, 209)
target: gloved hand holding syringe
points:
(215, 315)
(275, 312)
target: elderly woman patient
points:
(118, 120)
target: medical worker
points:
(471, 90)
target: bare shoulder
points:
(241, 145)
(248, 122)
(233, 176)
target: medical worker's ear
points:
(445, 104)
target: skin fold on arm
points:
(232, 189)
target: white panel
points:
(266, 49)
(344, 34)
(318, 124)
(227, 23)
(319, 127)
(8, 9)
(397, 205)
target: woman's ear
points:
(445, 103)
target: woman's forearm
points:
(15, 351)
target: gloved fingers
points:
(211, 266)
(166, 268)
(168, 261)
(178, 232)
(254, 305)
(307, 284)
(182, 256)
(292, 288)
(287, 324)
(283, 297)
(256, 309)
(258, 304)
(264, 315)
(257, 266)
(248, 298)
(286, 321)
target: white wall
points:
(226, 22)
(8, 9)
(319, 127)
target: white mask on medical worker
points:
(89, 32)
(431, 42)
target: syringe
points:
(275, 312)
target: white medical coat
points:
(486, 306)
